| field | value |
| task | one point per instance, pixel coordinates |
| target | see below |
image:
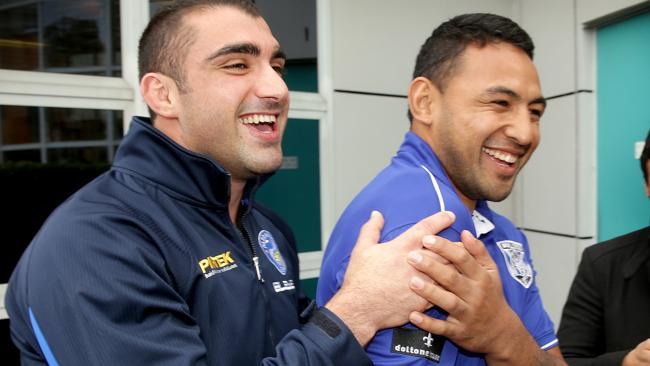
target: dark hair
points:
(439, 54)
(166, 40)
(645, 155)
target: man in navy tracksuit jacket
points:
(144, 265)
(166, 259)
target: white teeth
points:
(257, 118)
(510, 159)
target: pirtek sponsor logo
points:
(214, 262)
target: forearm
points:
(517, 347)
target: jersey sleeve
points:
(535, 317)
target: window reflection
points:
(58, 135)
(19, 125)
(76, 124)
(67, 36)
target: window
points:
(63, 36)
(58, 135)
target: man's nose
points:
(521, 128)
(271, 85)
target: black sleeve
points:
(581, 332)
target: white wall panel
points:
(549, 179)
(368, 130)
(375, 42)
(555, 259)
(586, 165)
(551, 25)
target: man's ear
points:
(160, 92)
(423, 98)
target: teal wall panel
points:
(623, 89)
(309, 287)
(294, 191)
(302, 76)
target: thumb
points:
(431, 225)
(477, 249)
(370, 231)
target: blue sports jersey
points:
(411, 188)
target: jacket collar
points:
(147, 152)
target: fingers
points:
(437, 295)
(430, 324)
(445, 275)
(458, 255)
(412, 238)
(477, 249)
(370, 231)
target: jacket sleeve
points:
(95, 291)
(323, 340)
(581, 331)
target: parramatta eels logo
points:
(270, 248)
(514, 255)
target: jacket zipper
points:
(258, 270)
(247, 238)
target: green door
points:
(623, 89)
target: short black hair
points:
(439, 54)
(645, 155)
(166, 40)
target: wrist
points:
(511, 343)
(357, 320)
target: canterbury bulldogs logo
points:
(270, 248)
(514, 255)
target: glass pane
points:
(118, 125)
(22, 155)
(66, 124)
(19, 125)
(19, 44)
(83, 155)
(68, 36)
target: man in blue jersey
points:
(474, 103)
(166, 259)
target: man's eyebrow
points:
(243, 48)
(513, 94)
(279, 54)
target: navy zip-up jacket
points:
(143, 267)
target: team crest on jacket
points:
(270, 248)
(514, 255)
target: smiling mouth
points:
(501, 156)
(264, 123)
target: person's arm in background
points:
(480, 319)
(581, 331)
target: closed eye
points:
(280, 70)
(502, 103)
(536, 112)
(240, 66)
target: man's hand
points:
(639, 356)
(375, 292)
(480, 319)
